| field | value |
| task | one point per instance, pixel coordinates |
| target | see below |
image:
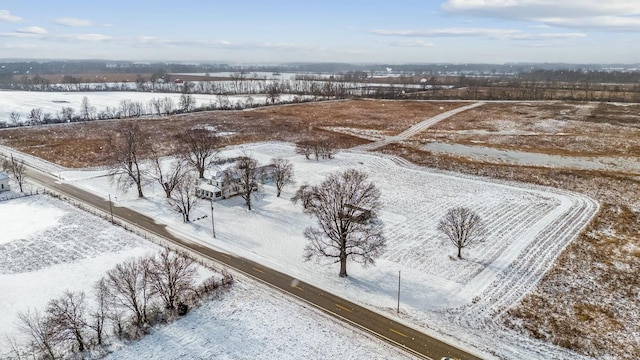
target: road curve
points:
(396, 333)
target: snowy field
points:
(457, 300)
(23, 102)
(48, 246)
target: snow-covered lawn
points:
(48, 246)
(457, 299)
(253, 322)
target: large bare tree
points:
(40, 330)
(346, 207)
(282, 173)
(172, 277)
(98, 317)
(128, 148)
(128, 283)
(168, 177)
(199, 148)
(248, 175)
(184, 198)
(67, 313)
(463, 227)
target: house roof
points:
(3, 175)
(207, 187)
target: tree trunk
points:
(343, 258)
(459, 252)
(139, 185)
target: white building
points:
(4, 181)
(226, 184)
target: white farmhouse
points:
(4, 181)
(222, 186)
(226, 183)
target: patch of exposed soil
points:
(572, 129)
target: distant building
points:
(4, 181)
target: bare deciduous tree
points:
(127, 148)
(463, 227)
(345, 206)
(183, 199)
(14, 117)
(98, 317)
(67, 113)
(67, 314)
(170, 177)
(17, 169)
(273, 92)
(186, 102)
(41, 332)
(247, 174)
(304, 148)
(199, 148)
(320, 149)
(87, 111)
(282, 173)
(172, 277)
(35, 116)
(128, 283)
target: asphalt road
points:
(403, 336)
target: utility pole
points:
(398, 291)
(111, 209)
(213, 224)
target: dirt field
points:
(588, 302)
(578, 129)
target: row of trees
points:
(346, 206)
(132, 109)
(133, 296)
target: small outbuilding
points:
(4, 181)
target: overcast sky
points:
(359, 31)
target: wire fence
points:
(12, 195)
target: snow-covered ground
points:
(458, 300)
(22, 102)
(48, 246)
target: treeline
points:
(73, 67)
(582, 76)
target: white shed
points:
(4, 181)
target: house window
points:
(218, 194)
